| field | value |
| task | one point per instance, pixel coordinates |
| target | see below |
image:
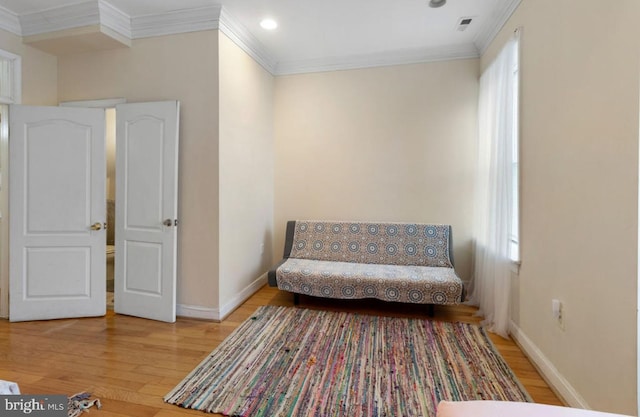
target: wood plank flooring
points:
(131, 363)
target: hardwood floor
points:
(131, 363)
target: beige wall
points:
(382, 144)
(182, 67)
(580, 82)
(39, 71)
(246, 170)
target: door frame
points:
(104, 103)
(4, 210)
(15, 98)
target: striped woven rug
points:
(287, 361)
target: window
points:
(10, 92)
(10, 69)
(498, 179)
(514, 232)
(497, 237)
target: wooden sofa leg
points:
(430, 310)
(296, 299)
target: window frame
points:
(514, 230)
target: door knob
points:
(96, 226)
(170, 222)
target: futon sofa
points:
(402, 262)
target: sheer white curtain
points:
(496, 188)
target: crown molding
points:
(60, 18)
(10, 22)
(246, 41)
(173, 22)
(495, 23)
(408, 56)
(101, 12)
(114, 19)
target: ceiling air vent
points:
(463, 23)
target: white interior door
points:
(57, 211)
(146, 209)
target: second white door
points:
(146, 209)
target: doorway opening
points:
(110, 136)
(110, 222)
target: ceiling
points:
(336, 34)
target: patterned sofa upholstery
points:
(401, 262)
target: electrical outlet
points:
(557, 310)
(262, 249)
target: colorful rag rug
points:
(287, 361)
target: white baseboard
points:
(240, 298)
(219, 314)
(197, 312)
(549, 372)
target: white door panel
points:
(146, 209)
(57, 191)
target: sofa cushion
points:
(373, 243)
(407, 284)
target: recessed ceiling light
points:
(437, 3)
(268, 24)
